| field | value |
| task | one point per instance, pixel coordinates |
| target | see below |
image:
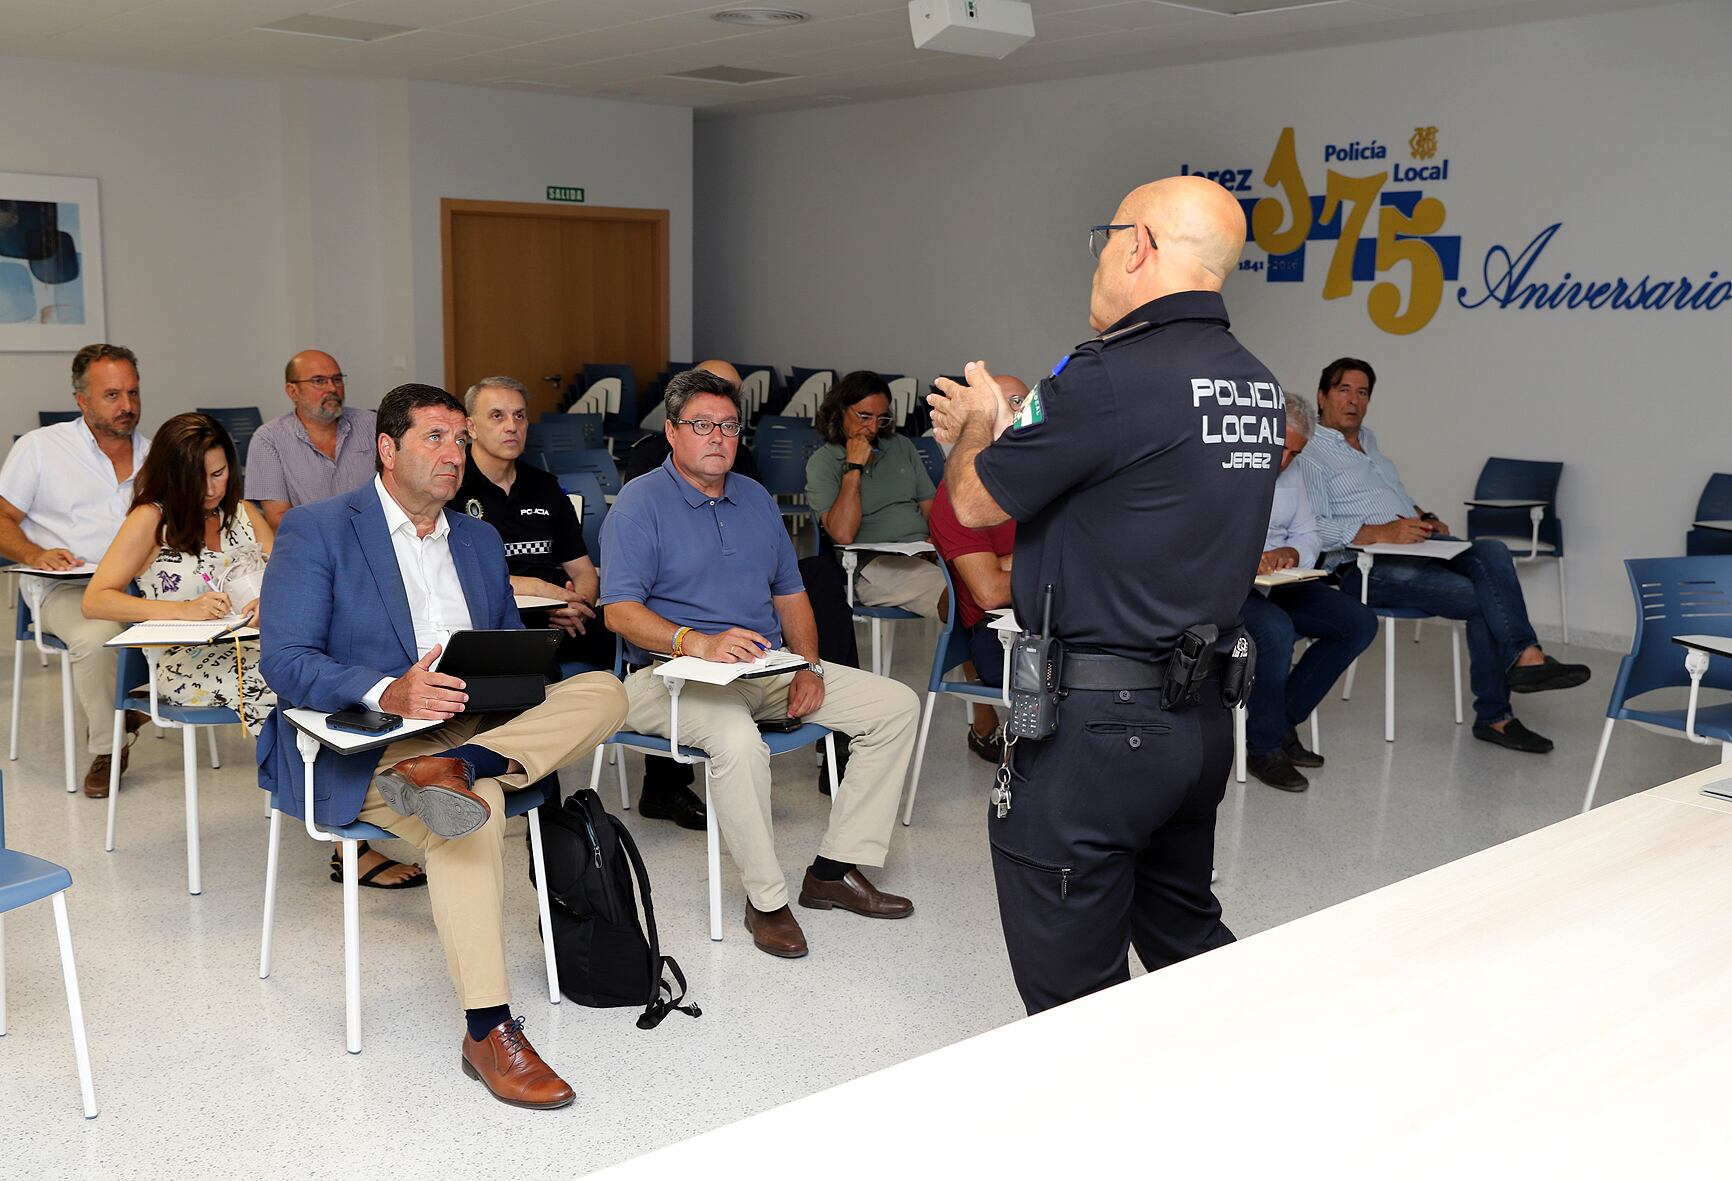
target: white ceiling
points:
(850, 50)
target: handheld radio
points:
(1036, 667)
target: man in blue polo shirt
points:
(699, 564)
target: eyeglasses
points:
(1098, 236)
(703, 426)
(322, 382)
(884, 421)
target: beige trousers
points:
(897, 580)
(466, 876)
(93, 666)
(880, 715)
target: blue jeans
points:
(1480, 587)
(1286, 693)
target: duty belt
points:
(1100, 670)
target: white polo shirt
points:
(65, 486)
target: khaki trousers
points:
(898, 580)
(879, 714)
(94, 667)
(466, 876)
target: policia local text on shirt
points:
(1140, 474)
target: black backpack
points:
(605, 958)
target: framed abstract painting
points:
(50, 263)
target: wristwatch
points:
(816, 669)
(853, 467)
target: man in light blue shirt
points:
(1360, 500)
(1339, 627)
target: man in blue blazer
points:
(360, 596)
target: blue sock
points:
(485, 763)
(484, 1021)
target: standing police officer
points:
(1140, 474)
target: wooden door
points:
(533, 290)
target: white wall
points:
(913, 235)
(244, 220)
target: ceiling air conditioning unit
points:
(979, 28)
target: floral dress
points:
(206, 675)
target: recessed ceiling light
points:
(335, 28)
(761, 18)
(733, 75)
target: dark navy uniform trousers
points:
(1110, 841)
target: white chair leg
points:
(189, 756)
(17, 680)
(1239, 744)
(114, 776)
(534, 815)
(352, 944)
(270, 896)
(830, 762)
(877, 647)
(80, 1047)
(919, 757)
(1316, 737)
(1417, 624)
(889, 651)
(595, 770)
(1563, 602)
(216, 763)
(1389, 681)
(624, 788)
(714, 840)
(66, 720)
(1455, 659)
(1599, 762)
(1347, 682)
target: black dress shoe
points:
(1296, 752)
(1277, 771)
(1547, 675)
(988, 746)
(672, 802)
(1514, 736)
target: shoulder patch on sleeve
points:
(1033, 411)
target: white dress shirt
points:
(1291, 521)
(436, 602)
(65, 486)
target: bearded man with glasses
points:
(700, 564)
(321, 448)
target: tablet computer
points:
(503, 670)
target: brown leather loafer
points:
(436, 790)
(776, 931)
(508, 1066)
(853, 893)
(96, 779)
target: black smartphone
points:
(358, 719)
(780, 725)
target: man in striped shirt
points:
(1360, 500)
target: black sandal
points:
(420, 878)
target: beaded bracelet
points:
(679, 641)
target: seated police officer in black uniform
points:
(546, 556)
(1140, 475)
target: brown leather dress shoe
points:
(776, 931)
(853, 893)
(507, 1065)
(96, 779)
(436, 790)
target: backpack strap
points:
(663, 1001)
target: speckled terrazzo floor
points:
(202, 1069)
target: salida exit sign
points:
(564, 193)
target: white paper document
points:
(714, 672)
(529, 602)
(908, 548)
(1290, 575)
(1443, 551)
(76, 572)
(154, 632)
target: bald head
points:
(722, 370)
(1013, 388)
(313, 381)
(1187, 234)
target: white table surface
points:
(1559, 1005)
(1716, 645)
(1495, 503)
(1722, 526)
(312, 722)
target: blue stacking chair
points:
(25, 879)
(566, 432)
(808, 388)
(627, 387)
(26, 629)
(782, 446)
(50, 417)
(596, 463)
(594, 510)
(932, 455)
(1674, 597)
(1714, 505)
(777, 393)
(808, 734)
(1538, 530)
(950, 652)
(241, 422)
(883, 641)
(527, 802)
(134, 688)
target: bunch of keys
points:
(1001, 782)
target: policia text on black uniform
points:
(1141, 474)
